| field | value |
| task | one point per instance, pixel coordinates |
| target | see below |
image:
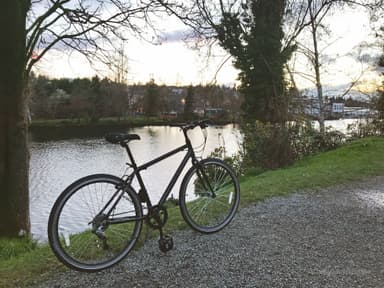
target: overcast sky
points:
(172, 62)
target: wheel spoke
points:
(202, 210)
(94, 244)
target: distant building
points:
(199, 112)
(214, 113)
(357, 112)
(169, 115)
(337, 108)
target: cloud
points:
(177, 35)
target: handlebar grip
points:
(204, 123)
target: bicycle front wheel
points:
(94, 223)
(209, 196)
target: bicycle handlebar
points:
(187, 126)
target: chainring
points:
(157, 217)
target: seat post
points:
(136, 172)
(133, 163)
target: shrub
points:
(235, 161)
(271, 146)
(306, 140)
(267, 145)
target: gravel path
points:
(328, 238)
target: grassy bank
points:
(21, 263)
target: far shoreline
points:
(44, 130)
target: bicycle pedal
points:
(165, 243)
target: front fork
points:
(204, 178)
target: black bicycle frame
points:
(136, 172)
(136, 169)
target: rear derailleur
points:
(99, 225)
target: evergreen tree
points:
(188, 108)
(96, 100)
(254, 38)
(151, 99)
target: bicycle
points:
(97, 220)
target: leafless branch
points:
(85, 25)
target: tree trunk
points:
(319, 88)
(316, 65)
(14, 156)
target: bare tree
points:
(120, 89)
(30, 29)
(87, 26)
(312, 22)
(119, 66)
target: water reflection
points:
(57, 163)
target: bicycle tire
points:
(201, 210)
(85, 242)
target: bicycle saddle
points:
(118, 138)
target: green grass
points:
(18, 270)
(22, 262)
(10, 248)
(356, 160)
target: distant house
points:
(337, 108)
(214, 113)
(169, 115)
(331, 110)
(199, 112)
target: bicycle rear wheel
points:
(94, 223)
(209, 196)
